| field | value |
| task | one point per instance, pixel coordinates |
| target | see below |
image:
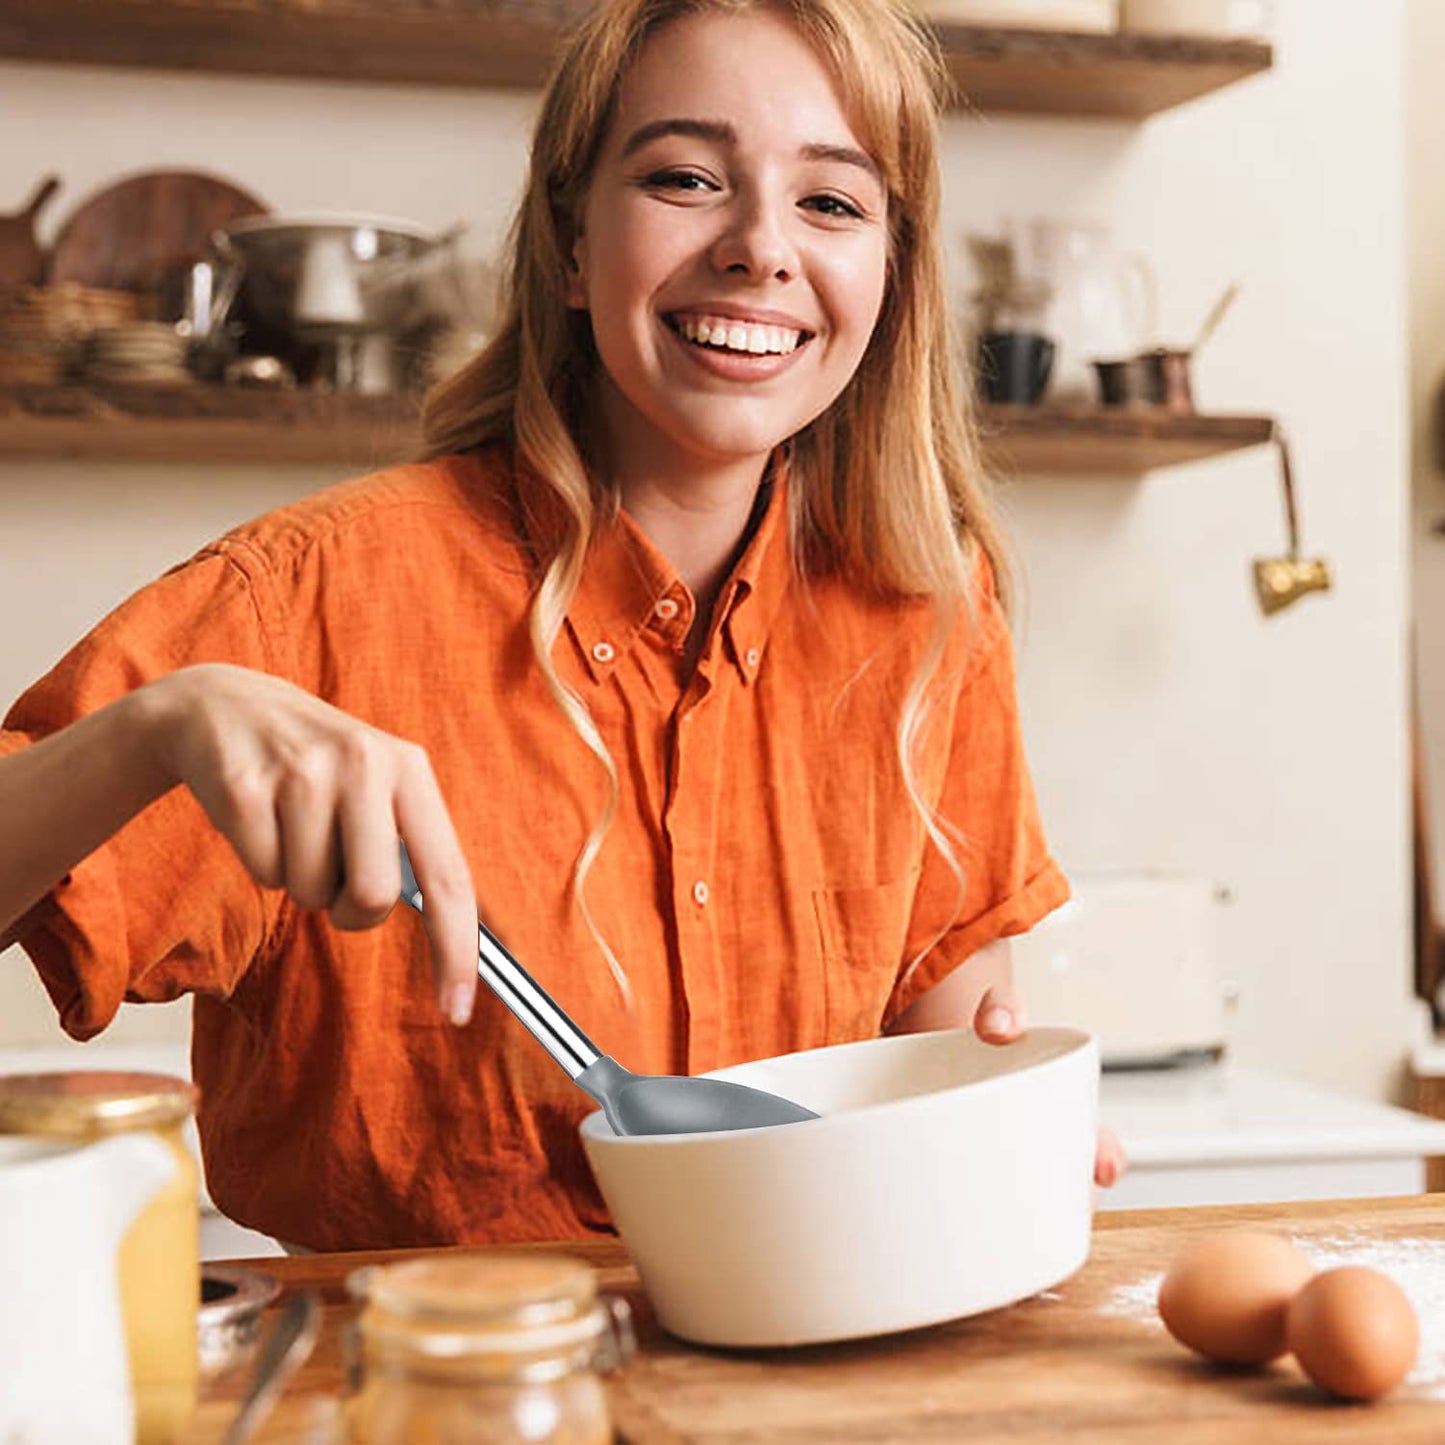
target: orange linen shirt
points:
(764, 884)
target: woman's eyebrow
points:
(720, 132)
(847, 155)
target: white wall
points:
(1170, 725)
(1426, 270)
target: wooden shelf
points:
(511, 43)
(1070, 441)
(205, 423)
(219, 424)
(1124, 77)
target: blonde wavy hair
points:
(884, 487)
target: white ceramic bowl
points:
(946, 1177)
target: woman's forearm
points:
(62, 797)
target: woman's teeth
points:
(728, 335)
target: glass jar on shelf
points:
(507, 1347)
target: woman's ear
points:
(576, 289)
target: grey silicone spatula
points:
(633, 1103)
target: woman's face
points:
(733, 245)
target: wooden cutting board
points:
(1086, 1362)
(130, 235)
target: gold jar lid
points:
(85, 1103)
(459, 1303)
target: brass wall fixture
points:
(1279, 581)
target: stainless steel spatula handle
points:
(516, 988)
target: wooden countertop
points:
(1062, 1364)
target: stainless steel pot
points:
(318, 273)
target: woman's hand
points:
(313, 801)
(999, 1020)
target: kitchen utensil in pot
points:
(22, 262)
(1217, 313)
(633, 1103)
(1279, 581)
(1163, 376)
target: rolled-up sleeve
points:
(1006, 880)
(165, 906)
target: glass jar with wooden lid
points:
(159, 1257)
(502, 1347)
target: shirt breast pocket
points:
(861, 935)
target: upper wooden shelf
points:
(512, 42)
(1075, 440)
(219, 424)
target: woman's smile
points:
(736, 350)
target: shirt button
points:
(700, 893)
(603, 652)
(666, 609)
(753, 657)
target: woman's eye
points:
(834, 206)
(679, 181)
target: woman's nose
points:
(756, 243)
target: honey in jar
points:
(159, 1257)
(502, 1347)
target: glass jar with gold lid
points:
(503, 1347)
(159, 1257)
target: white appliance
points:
(1134, 958)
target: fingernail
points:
(998, 1021)
(457, 1002)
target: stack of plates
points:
(31, 350)
(149, 352)
(42, 328)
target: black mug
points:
(1014, 366)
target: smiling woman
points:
(681, 657)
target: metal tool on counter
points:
(633, 1103)
(285, 1350)
(1279, 581)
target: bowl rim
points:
(1082, 1041)
(333, 220)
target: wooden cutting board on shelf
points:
(130, 235)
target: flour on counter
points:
(1416, 1265)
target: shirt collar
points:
(628, 586)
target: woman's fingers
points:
(312, 800)
(366, 818)
(999, 1016)
(450, 901)
(1110, 1161)
(306, 817)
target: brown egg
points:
(1226, 1295)
(1354, 1332)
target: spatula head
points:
(668, 1104)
